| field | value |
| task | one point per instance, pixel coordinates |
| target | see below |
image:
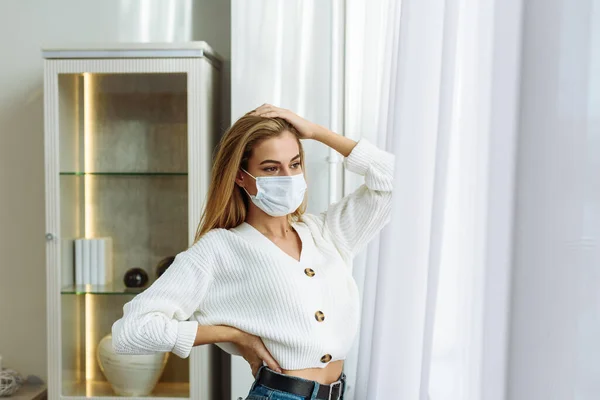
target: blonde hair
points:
(227, 203)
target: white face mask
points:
(278, 195)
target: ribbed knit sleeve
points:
(355, 219)
(156, 319)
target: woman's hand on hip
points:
(253, 350)
(306, 129)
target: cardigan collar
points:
(255, 237)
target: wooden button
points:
(326, 358)
(319, 316)
(309, 272)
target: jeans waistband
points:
(322, 391)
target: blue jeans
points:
(262, 392)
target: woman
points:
(263, 279)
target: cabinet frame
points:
(201, 67)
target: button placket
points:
(319, 315)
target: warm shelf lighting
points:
(88, 126)
(88, 130)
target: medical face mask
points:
(278, 195)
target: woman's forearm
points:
(215, 334)
(339, 143)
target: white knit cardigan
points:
(306, 312)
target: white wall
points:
(555, 336)
(25, 26)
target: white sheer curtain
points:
(435, 82)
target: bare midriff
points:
(325, 376)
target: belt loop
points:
(256, 379)
(315, 391)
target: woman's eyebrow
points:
(277, 162)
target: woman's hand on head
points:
(253, 350)
(306, 129)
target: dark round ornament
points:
(135, 278)
(163, 264)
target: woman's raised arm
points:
(355, 219)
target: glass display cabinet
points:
(129, 136)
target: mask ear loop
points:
(249, 195)
(247, 172)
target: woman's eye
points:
(296, 165)
(270, 169)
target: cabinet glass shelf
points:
(115, 288)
